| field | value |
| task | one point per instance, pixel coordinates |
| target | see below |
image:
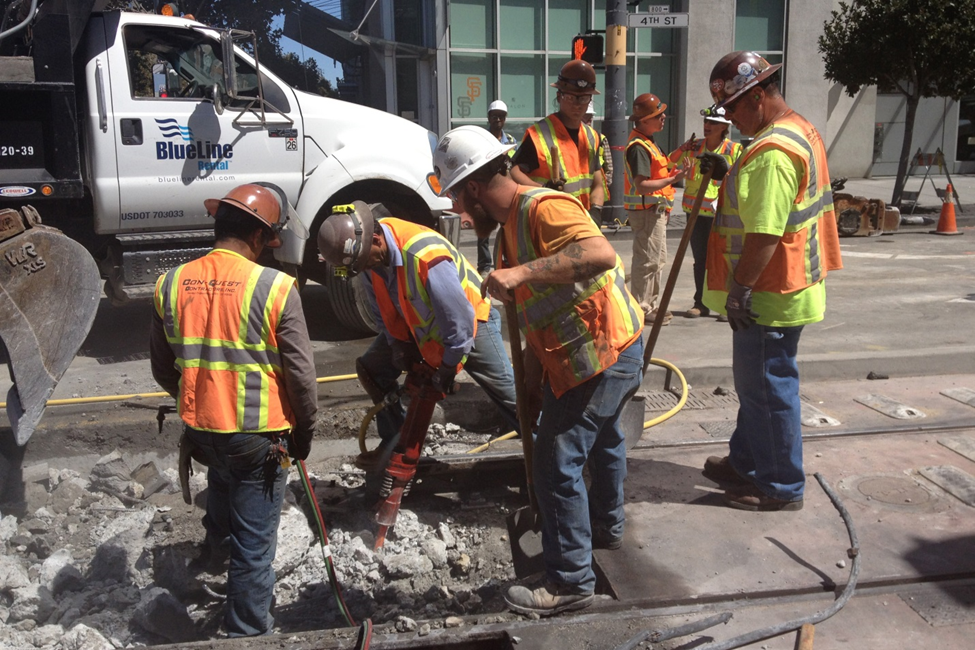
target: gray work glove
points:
(739, 307)
(405, 354)
(300, 444)
(558, 185)
(596, 212)
(712, 161)
(443, 379)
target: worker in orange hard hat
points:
(562, 151)
(228, 341)
(772, 243)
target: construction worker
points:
(716, 127)
(648, 199)
(605, 153)
(585, 352)
(229, 342)
(560, 152)
(497, 115)
(427, 303)
(774, 239)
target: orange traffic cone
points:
(946, 223)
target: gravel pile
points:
(110, 560)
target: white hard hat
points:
(714, 114)
(591, 110)
(498, 105)
(462, 151)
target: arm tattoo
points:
(572, 257)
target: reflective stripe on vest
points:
(220, 314)
(577, 330)
(659, 168)
(578, 162)
(809, 246)
(729, 151)
(421, 247)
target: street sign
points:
(656, 20)
(658, 9)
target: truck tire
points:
(348, 301)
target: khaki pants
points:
(649, 256)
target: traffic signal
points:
(588, 47)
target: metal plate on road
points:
(657, 20)
(963, 445)
(963, 395)
(813, 417)
(952, 480)
(944, 605)
(891, 407)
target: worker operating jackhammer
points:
(426, 299)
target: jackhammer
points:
(399, 473)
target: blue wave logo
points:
(170, 128)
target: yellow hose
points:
(370, 414)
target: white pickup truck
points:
(116, 126)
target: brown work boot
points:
(546, 600)
(697, 311)
(751, 498)
(719, 470)
(652, 316)
(370, 460)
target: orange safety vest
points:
(576, 330)
(220, 314)
(415, 319)
(726, 149)
(577, 161)
(659, 168)
(810, 244)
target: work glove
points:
(558, 185)
(405, 354)
(596, 212)
(443, 378)
(739, 307)
(300, 444)
(717, 164)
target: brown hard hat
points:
(735, 73)
(255, 200)
(647, 105)
(578, 77)
(345, 238)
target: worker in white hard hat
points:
(584, 355)
(497, 115)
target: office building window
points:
(471, 85)
(760, 27)
(566, 18)
(472, 23)
(523, 85)
(521, 25)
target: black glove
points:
(405, 354)
(739, 307)
(558, 185)
(712, 161)
(596, 212)
(300, 443)
(443, 378)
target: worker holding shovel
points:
(583, 329)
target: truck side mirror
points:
(229, 64)
(217, 96)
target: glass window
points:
(522, 85)
(521, 25)
(407, 21)
(655, 40)
(760, 25)
(599, 15)
(472, 23)
(566, 18)
(407, 101)
(471, 85)
(966, 129)
(653, 75)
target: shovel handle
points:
(674, 272)
(521, 397)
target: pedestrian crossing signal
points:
(588, 47)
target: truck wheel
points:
(348, 301)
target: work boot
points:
(719, 470)
(652, 316)
(546, 600)
(697, 311)
(751, 498)
(371, 460)
(722, 318)
(602, 539)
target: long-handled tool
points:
(402, 464)
(521, 397)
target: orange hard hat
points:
(255, 200)
(735, 73)
(578, 77)
(647, 105)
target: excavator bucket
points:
(49, 293)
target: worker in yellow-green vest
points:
(427, 305)
(715, 140)
(584, 355)
(561, 151)
(774, 240)
(228, 340)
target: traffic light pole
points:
(615, 122)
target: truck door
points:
(175, 149)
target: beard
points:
(484, 225)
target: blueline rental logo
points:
(215, 156)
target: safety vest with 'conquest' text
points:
(559, 155)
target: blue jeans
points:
(767, 443)
(244, 497)
(487, 364)
(583, 424)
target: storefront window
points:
(472, 23)
(566, 19)
(471, 85)
(760, 26)
(521, 25)
(522, 85)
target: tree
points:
(918, 48)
